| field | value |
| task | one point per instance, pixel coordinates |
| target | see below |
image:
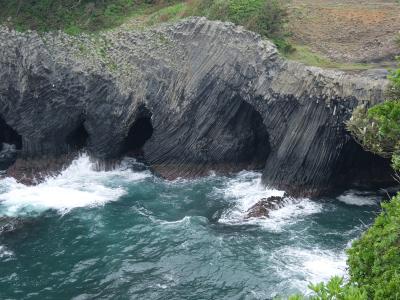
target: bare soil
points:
(348, 31)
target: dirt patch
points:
(347, 31)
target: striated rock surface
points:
(189, 97)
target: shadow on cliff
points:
(10, 144)
(139, 133)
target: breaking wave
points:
(79, 185)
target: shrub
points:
(378, 129)
(374, 259)
(335, 289)
(394, 89)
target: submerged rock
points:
(191, 97)
(262, 208)
(9, 224)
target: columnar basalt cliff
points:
(191, 97)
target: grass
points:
(305, 55)
(267, 17)
(171, 13)
(75, 16)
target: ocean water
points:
(127, 234)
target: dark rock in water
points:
(190, 97)
(9, 224)
(262, 208)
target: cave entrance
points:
(253, 136)
(9, 136)
(358, 168)
(78, 138)
(139, 133)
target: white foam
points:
(4, 252)
(78, 186)
(315, 265)
(247, 189)
(358, 198)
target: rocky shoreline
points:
(190, 97)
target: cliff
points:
(191, 97)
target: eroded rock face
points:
(218, 97)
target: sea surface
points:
(127, 234)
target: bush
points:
(335, 289)
(374, 259)
(378, 129)
(394, 89)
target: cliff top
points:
(341, 34)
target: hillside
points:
(327, 33)
(347, 31)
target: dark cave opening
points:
(78, 138)
(9, 136)
(362, 169)
(249, 129)
(139, 133)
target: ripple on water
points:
(170, 240)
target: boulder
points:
(262, 208)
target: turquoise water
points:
(128, 235)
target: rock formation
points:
(263, 207)
(190, 97)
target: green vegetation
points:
(378, 129)
(335, 289)
(266, 17)
(374, 259)
(74, 16)
(305, 55)
(167, 14)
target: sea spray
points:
(77, 186)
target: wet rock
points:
(211, 95)
(35, 171)
(262, 208)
